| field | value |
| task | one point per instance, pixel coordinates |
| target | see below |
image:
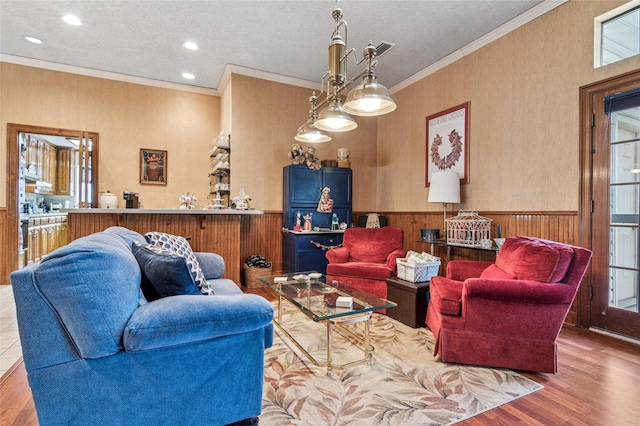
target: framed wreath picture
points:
(448, 142)
(153, 167)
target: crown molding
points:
(526, 17)
(264, 75)
(515, 23)
(54, 66)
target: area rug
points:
(404, 385)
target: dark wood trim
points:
(587, 96)
(13, 158)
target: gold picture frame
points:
(153, 166)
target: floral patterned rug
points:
(404, 385)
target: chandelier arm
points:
(331, 96)
(326, 74)
(354, 78)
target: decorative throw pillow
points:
(528, 259)
(566, 257)
(163, 272)
(180, 246)
(492, 271)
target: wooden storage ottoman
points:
(411, 299)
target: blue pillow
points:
(180, 246)
(163, 272)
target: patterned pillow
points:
(181, 247)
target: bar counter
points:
(164, 211)
(214, 231)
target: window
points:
(623, 110)
(617, 34)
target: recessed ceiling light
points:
(190, 45)
(72, 20)
(33, 40)
(188, 75)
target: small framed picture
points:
(448, 142)
(153, 167)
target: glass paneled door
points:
(616, 215)
(624, 178)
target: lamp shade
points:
(445, 187)
(369, 99)
(334, 119)
(309, 134)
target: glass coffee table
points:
(310, 294)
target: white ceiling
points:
(143, 38)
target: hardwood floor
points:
(598, 383)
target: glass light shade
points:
(309, 134)
(334, 119)
(369, 98)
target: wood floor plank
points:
(598, 383)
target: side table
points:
(412, 300)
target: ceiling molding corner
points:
(263, 75)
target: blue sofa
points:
(97, 353)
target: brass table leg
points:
(329, 348)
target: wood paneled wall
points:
(563, 227)
(262, 234)
(207, 233)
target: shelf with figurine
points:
(220, 174)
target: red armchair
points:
(367, 258)
(508, 313)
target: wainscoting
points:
(556, 226)
(262, 234)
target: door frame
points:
(13, 163)
(587, 124)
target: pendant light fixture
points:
(308, 132)
(369, 98)
(334, 119)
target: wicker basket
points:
(468, 229)
(251, 275)
(417, 272)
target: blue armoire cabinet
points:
(302, 188)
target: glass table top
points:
(310, 292)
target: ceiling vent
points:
(383, 47)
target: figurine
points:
(297, 154)
(241, 201)
(335, 222)
(298, 226)
(187, 201)
(307, 222)
(217, 202)
(311, 159)
(325, 205)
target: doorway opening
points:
(47, 168)
(611, 204)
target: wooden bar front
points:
(206, 231)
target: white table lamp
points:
(445, 188)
